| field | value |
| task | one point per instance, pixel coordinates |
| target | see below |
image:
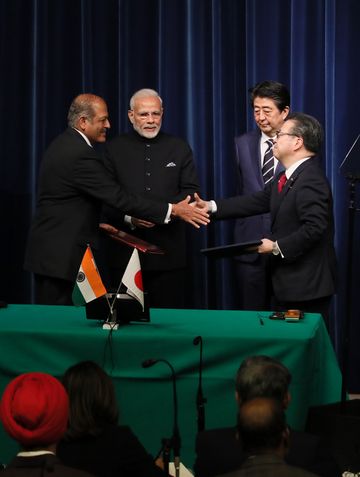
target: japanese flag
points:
(132, 278)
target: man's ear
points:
(131, 116)
(286, 437)
(299, 143)
(237, 397)
(82, 123)
(285, 112)
(287, 400)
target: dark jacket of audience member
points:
(94, 441)
(265, 436)
(221, 450)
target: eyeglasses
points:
(279, 134)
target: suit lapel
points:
(277, 198)
(255, 152)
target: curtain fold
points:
(202, 56)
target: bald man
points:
(265, 436)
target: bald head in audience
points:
(262, 426)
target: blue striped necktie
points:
(267, 169)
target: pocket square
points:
(171, 164)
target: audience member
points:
(73, 185)
(221, 450)
(94, 441)
(265, 437)
(257, 166)
(157, 166)
(34, 411)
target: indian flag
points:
(88, 284)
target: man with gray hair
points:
(219, 451)
(73, 185)
(158, 166)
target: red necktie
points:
(281, 182)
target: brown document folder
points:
(130, 240)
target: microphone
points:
(200, 400)
(175, 441)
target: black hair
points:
(92, 399)
(309, 129)
(278, 92)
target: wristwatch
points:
(275, 249)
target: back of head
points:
(309, 129)
(262, 376)
(92, 399)
(34, 410)
(278, 92)
(82, 106)
(262, 426)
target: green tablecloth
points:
(49, 339)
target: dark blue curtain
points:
(202, 55)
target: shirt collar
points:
(265, 137)
(85, 137)
(33, 453)
(294, 166)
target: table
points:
(51, 338)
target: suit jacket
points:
(250, 180)
(41, 465)
(163, 169)
(219, 451)
(116, 452)
(268, 465)
(73, 184)
(302, 223)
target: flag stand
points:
(126, 309)
(111, 323)
(122, 307)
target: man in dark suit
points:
(73, 185)
(256, 167)
(303, 261)
(265, 437)
(158, 166)
(221, 450)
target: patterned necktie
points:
(268, 163)
(281, 182)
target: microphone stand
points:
(352, 209)
(200, 400)
(174, 442)
(350, 168)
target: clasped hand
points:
(191, 213)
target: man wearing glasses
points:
(301, 247)
(256, 167)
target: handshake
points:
(195, 213)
